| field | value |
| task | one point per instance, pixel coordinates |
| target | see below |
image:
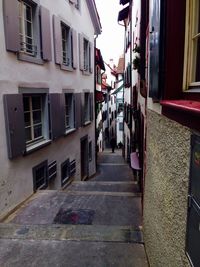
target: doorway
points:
(84, 158)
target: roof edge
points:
(94, 15)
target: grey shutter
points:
(46, 34)
(11, 25)
(154, 60)
(78, 110)
(74, 48)
(91, 106)
(14, 119)
(81, 52)
(91, 57)
(57, 39)
(57, 114)
(82, 108)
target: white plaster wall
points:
(16, 175)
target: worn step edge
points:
(92, 233)
(102, 193)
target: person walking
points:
(113, 144)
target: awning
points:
(99, 97)
(123, 14)
(118, 89)
(135, 161)
(124, 2)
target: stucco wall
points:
(166, 190)
(16, 181)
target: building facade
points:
(47, 94)
(165, 124)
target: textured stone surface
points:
(32, 253)
(166, 190)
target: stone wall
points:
(166, 190)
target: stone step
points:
(92, 233)
(104, 186)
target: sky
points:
(111, 40)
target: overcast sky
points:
(111, 40)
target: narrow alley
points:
(96, 223)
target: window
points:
(87, 107)
(40, 180)
(98, 75)
(27, 30)
(69, 112)
(66, 45)
(77, 5)
(65, 172)
(86, 55)
(35, 119)
(192, 46)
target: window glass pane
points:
(28, 29)
(40, 177)
(28, 134)
(36, 102)
(198, 62)
(28, 14)
(37, 131)
(27, 119)
(26, 103)
(37, 117)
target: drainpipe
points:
(95, 112)
(131, 80)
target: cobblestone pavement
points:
(96, 223)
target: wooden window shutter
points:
(57, 40)
(57, 115)
(91, 49)
(45, 34)
(91, 106)
(11, 25)
(15, 129)
(78, 110)
(81, 52)
(74, 48)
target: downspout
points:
(131, 80)
(95, 111)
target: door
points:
(84, 158)
(193, 221)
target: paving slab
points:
(104, 187)
(92, 233)
(45, 253)
(116, 209)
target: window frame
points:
(45, 138)
(189, 54)
(36, 56)
(44, 165)
(65, 179)
(68, 44)
(71, 114)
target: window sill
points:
(37, 146)
(67, 68)
(70, 131)
(86, 123)
(87, 73)
(185, 112)
(25, 57)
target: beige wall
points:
(166, 190)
